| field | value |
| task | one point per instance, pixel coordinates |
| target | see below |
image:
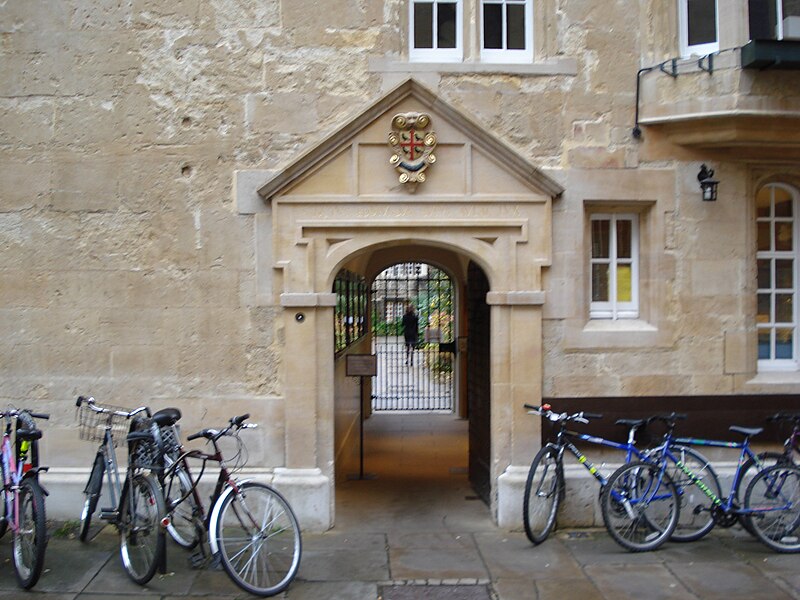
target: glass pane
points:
(784, 276)
(423, 25)
(600, 238)
(764, 314)
(762, 19)
(600, 283)
(624, 238)
(783, 236)
(702, 16)
(624, 293)
(764, 336)
(492, 26)
(784, 342)
(515, 26)
(764, 274)
(784, 308)
(763, 202)
(447, 25)
(783, 203)
(764, 230)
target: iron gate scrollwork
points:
(422, 379)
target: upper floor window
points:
(436, 30)
(774, 19)
(614, 266)
(699, 26)
(506, 30)
(778, 261)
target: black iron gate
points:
(417, 376)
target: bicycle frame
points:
(112, 474)
(12, 476)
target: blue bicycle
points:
(771, 504)
(545, 485)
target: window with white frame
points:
(506, 31)
(699, 27)
(614, 264)
(778, 262)
(436, 30)
(774, 19)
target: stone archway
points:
(342, 200)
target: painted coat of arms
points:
(412, 143)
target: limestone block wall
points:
(127, 272)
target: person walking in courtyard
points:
(410, 332)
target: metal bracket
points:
(710, 59)
(673, 72)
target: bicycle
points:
(545, 486)
(137, 505)
(251, 528)
(771, 500)
(23, 496)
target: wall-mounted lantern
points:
(708, 185)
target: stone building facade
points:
(182, 182)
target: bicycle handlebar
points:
(781, 416)
(215, 434)
(92, 404)
(546, 412)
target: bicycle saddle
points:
(29, 434)
(631, 422)
(167, 417)
(746, 430)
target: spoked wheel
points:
(182, 510)
(695, 519)
(141, 535)
(640, 506)
(774, 495)
(30, 541)
(749, 470)
(542, 495)
(259, 539)
(92, 493)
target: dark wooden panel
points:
(478, 382)
(708, 416)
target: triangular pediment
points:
(354, 160)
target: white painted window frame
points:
(436, 54)
(612, 309)
(683, 25)
(783, 364)
(494, 55)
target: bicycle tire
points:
(694, 520)
(141, 535)
(92, 492)
(543, 492)
(640, 506)
(30, 541)
(775, 494)
(3, 516)
(182, 509)
(748, 472)
(262, 560)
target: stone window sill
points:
(622, 334)
(776, 378)
(555, 66)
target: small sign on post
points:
(362, 365)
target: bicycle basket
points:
(170, 437)
(142, 454)
(92, 425)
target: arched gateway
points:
(346, 200)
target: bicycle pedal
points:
(198, 560)
(108, 514)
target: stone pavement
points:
(461, 565)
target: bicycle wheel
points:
(694, 519)
(92, 493)
(140, 514)
(182, 509)
(543, 492)
(30, 541)
(749, 470)
(258, 539)
(640, 506)
(774, 495)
